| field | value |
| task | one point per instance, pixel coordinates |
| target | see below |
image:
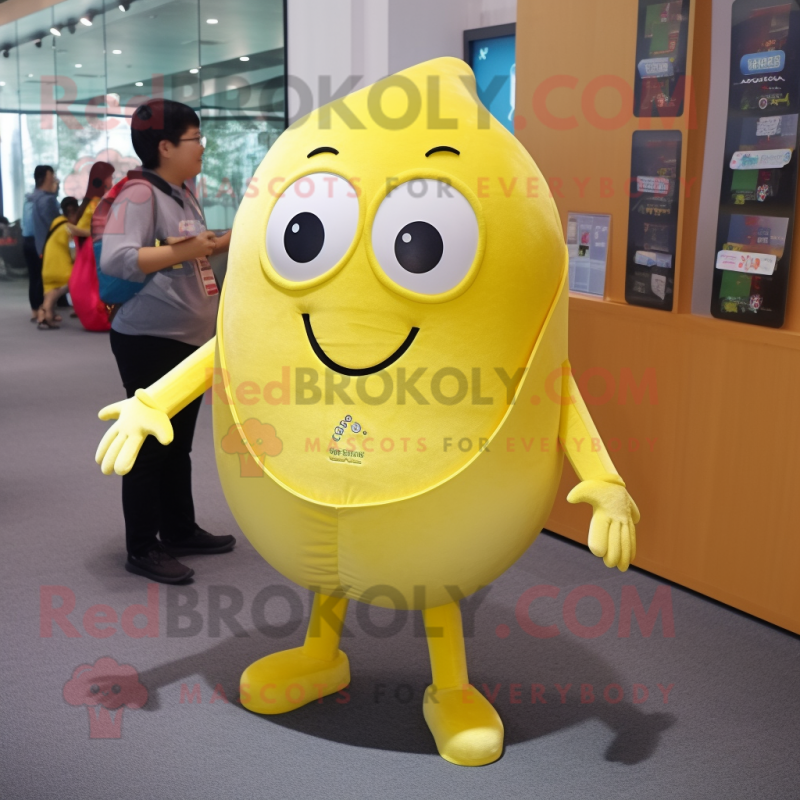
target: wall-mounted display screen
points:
(759, 178)
(491, 52)
(653, 218)
(659, 83)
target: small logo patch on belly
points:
(346, 450)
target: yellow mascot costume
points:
(392, 397)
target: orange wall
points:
(717, 467)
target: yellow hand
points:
(123, 440)
(612, 534)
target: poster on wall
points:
(659, 82)
(759, 178)
(587, 247)
(653, 218)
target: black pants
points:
(157, 492)
(34, 264)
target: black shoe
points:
(158, 565)
(199, 543)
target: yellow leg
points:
(291, 678)
(464, 724)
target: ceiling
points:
(155, 37)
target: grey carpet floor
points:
(728, 728)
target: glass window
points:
(242, 98)
(9, 68)
(153, 43)
(72, 75)
(13, 183)
(82, 100)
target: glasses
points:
(202, 139)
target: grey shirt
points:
(45, 209)
(173, 302)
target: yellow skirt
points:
(57, 261)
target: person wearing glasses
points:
(159, 238)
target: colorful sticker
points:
(740, 261)
(652, 184)
(663, 67)
(761, 159)
(647, 258)
(757, 63)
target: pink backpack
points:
(85, 290)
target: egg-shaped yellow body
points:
(390, 346)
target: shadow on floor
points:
(381, 707)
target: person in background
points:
(101, 178)
(163, 244)
(100, 181)
(44, 209)
(57, 261)
(32, 260)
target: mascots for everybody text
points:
(392, 330)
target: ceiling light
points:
(55, 31)
(87, 20)
(124, 6)
(212, 21)
(139, 83)
(2, 83)
(30, 74)
(194, 71)
(244, 58)
(78, 66)
(117, 52)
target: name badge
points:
(206, 276)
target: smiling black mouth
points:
(331, 364)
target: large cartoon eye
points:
(425, 236)
(311, 226)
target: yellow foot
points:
(467, 729)
(287, 680)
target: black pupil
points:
(418, 247)
(304, 237)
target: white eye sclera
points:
(425, 236)
(312, 226)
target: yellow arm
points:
(184, 383)
(580, 439)
(150, 410)
(612, 533)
